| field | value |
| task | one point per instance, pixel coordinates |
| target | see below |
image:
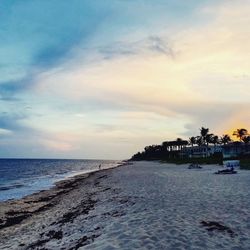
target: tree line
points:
(170, 149)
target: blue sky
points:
(101, 79)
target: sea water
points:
(21, 177)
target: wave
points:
(9, 187)
(23, 177)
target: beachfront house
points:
(200, 151)
(235, 149)
(231, 150)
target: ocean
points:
(21, 177)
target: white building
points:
(200, 151)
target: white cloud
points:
(5, 131)
(148, 91)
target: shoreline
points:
(50, 182)
(148, 205)
(49, 215)
(14, 211)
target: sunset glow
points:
(113, 76)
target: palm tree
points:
(208, 139)
(199, 140)
(204, 133)
(192, 140)
(215, 140)
(241, 133)
(225, 139)
(246, 139)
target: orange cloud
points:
(205, 82)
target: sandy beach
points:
(147, 205)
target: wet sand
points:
(146, 205)
(46, 217)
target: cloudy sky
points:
(102, 79)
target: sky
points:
(103, 79)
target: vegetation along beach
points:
(124, 125)
(204, 148)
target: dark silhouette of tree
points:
(203, 133)
(192, 141)
(209, 139)
(246, 139)
(215, 140)
(137, 157)
(169, 150)
(165, 146)
(225, 139)
(241, 133)
(199, 140)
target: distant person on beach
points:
(100, 166)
